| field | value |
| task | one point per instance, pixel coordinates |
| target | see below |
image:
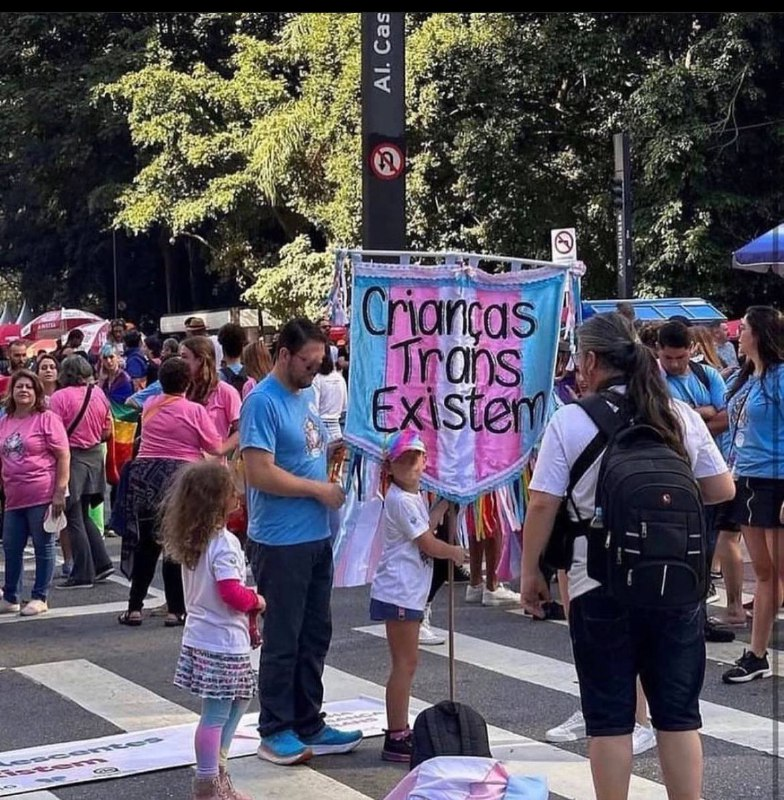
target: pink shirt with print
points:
(173, 427)
(66, 403)
(223, 406)
(28, 450)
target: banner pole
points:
(451, 526)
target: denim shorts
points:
(383, 612)
(613, 644)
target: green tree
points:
(296, 286)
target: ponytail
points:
(616, 346)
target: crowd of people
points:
(227, 426)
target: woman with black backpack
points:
(636, 599)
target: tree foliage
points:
(298, 285)
(215, 141)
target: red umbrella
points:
(57, 322)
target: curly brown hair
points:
(194, 510)
(203, 385)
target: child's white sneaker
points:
(427, 635)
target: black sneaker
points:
(397, 749)
(462, 575)
(104, 574)
(748, 668)
(72, 583)
(713, 594)
(716, 632)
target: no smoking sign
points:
(386, 161)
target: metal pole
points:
(623, 215)
(451, 527)
(114, 255)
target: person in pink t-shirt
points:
(35, 466)
(87, 417)
(221, 400)
(174, 431)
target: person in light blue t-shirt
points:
(284, 448)
(685, 379)
(756, 410)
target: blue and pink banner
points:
(464, 357)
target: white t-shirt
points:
(404, 572)
(568, 433)
(331, 396)
(211, 624)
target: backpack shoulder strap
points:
(608, 422)
(226, 374)
(80, 415)
(433, 731)
(700, 373)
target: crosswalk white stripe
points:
(106, 694)
(32, 796)
(66, 612)
(261, 779)
(719, 722)
(720, 652)
(568, 774)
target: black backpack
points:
(235, 379)
(647, 542)
(449, 729)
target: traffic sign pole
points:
(383, 131)
(622, 202)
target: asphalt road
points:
(516, 672)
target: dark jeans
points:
(296, 581)
(145, 560)
(613, 644)
(89, 551)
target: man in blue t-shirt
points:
(284, 449)
(697, 385)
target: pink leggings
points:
(216, 728)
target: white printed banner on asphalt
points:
(52, 766)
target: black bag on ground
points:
(449, 729)
(647, 544)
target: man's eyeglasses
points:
(309, 365)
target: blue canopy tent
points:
(695, 309)
(763, 254)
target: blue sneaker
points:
(284, 748)
(330, 741)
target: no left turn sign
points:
(386, 161)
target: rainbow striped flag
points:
(119, 448)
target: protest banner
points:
(56, 765)
(463, 356)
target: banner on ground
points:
(52, 766)
(462, 356)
